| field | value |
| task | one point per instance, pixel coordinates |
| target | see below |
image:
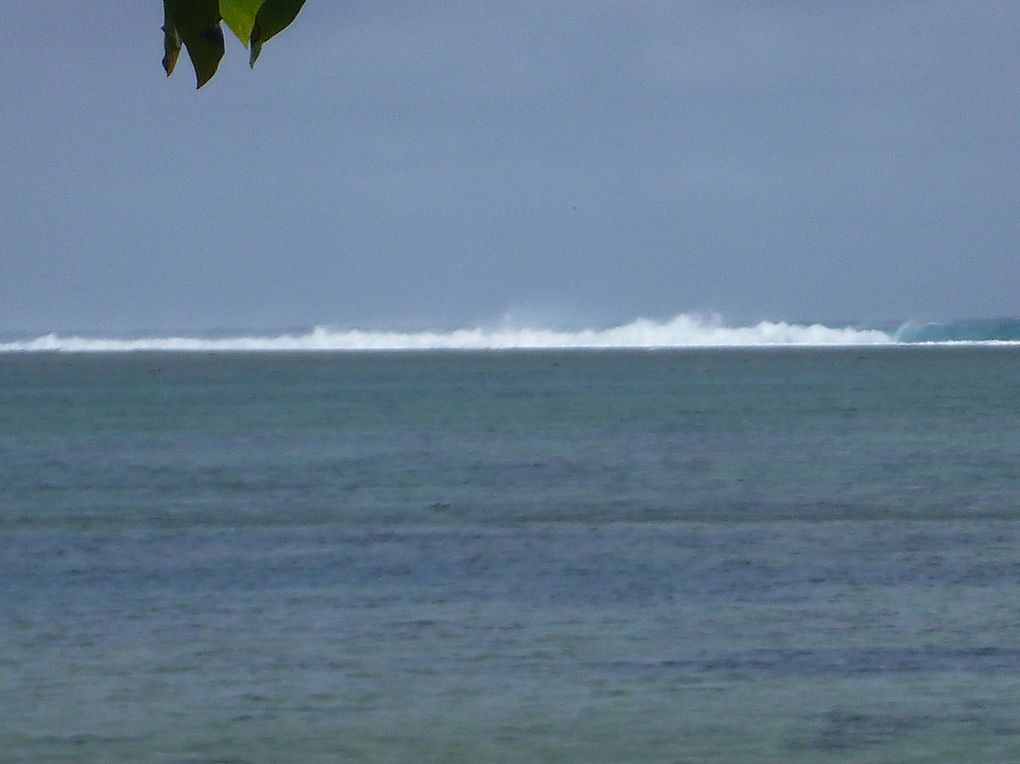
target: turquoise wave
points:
(976, 330)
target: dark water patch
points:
(627, 566)
(840, 730)
(86, 739)
(844, 662)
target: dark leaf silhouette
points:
(195, 24)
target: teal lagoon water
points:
(732, 555)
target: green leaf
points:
(197, 22)
(273, 17)
(171, 42)
(240, 17)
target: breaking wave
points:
(999, 331)
(686, 330)
(678, 332)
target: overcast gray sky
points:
(415, 164)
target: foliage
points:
(195, 24)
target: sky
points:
(406, 165)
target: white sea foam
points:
(680, 331)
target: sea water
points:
(728, 555)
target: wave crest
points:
(678, 332)
(1000, 331)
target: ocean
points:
(768, 553)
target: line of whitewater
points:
(679, 332)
